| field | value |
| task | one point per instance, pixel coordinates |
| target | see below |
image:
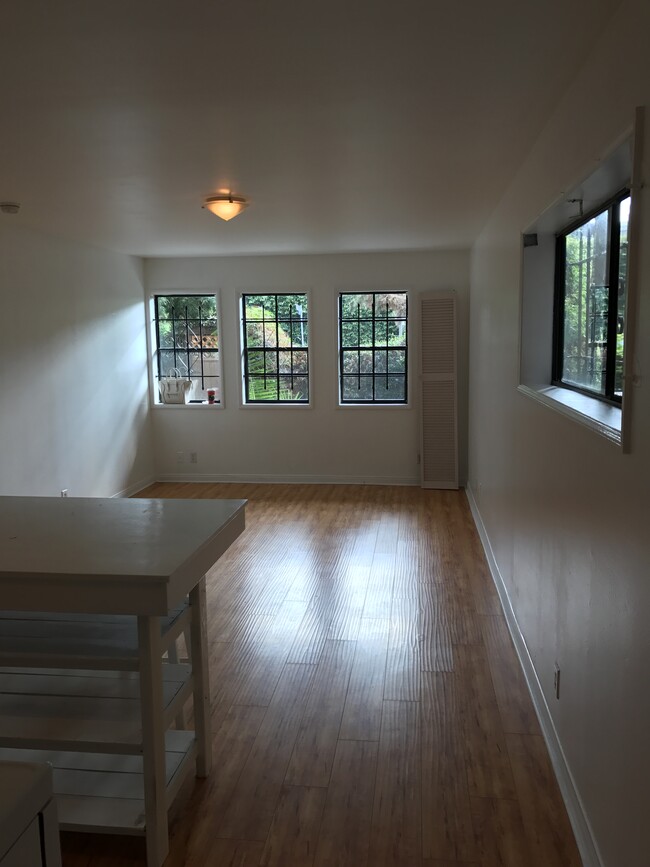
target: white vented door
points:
(438, 391)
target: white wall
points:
(566, 512)
(323, 443)
(73, 380)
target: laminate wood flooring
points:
(368, 707)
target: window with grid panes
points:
(187, 340)
(373, 350)
(590, 302)
(275, 348)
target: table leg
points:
(199, 654)
(153, 739)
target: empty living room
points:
(324, 530)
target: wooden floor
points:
(368, 706)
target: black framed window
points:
(590, 301)
(373, 349)
(187, 339)
(275, 343)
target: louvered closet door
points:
(438, 391)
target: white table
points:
(87, 678)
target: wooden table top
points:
(109, 555)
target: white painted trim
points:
(577, 815)
(566, 402)
(272, 479)
(135, 487)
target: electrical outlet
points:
(556, 681)
(180, 457)
(64, 492)
(194, 457)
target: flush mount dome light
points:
(226, 206)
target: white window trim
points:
(611, 422)
(604, 418)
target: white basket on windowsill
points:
(173, 388)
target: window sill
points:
(289, 404)
(590, 412)
(369, 405)
(176, 406)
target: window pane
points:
(397, 361)
(255, 362)
(585, 305)
(273, 322)
(300, 362)
(195, 363)
(254, 334)
(624, 216)
(350, 362)
(284, 360)
(167, 361)
(356, 305)
(391, 305)
(273, 333)
(210, 333)
(349, 334)
(374, 322)
(166, 334)
(293, 388)
(397, 332)
(381, 361)
(357, 389)
(365, 361)
(262, 388)
(298, 332)
(194, 333)
(390, 388)
(381, 333)
(271, 362)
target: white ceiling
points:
(357, 125)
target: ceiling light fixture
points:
(226, 206)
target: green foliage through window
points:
(187, 336)
(275, 332)
(373, 347)
(592, 282)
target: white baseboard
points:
(272, 479)
(135, 487)
(577, 816)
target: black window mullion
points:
(158, 351)
(277, 347)
(187, 343)
(387, 346)
(264, 341)
(406, 344)
(374, 341)
(612, 309)
(558, 308)
(201, 347)
(290, 345)
(246, 350)
(174, 333)
(358, 347)
(341, 345)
